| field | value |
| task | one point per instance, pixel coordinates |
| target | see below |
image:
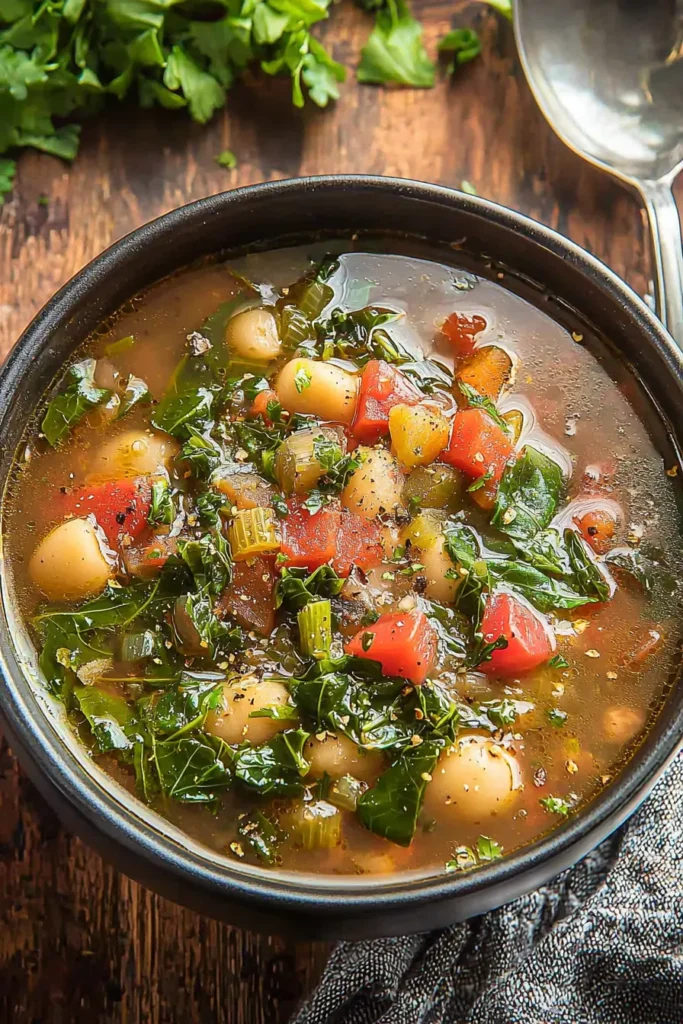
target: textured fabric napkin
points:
(602, 944)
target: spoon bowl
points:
(608, 77)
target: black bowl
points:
(136, 839)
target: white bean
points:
(318, 389)
(253, 335)
(474, 780)
(231, 720)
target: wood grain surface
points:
(79, 942)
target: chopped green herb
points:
(227, 159)
(464, 44)
(394, 53)
(555, 805)
(302, 379)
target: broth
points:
(538, 737)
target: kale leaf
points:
(68, 408)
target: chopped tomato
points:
(382, 387)
(249, 598)
(479, 447)
(358, 543)
(462, 330)
(530, 639)
(597, 527)
(120, 507)
(404, 644)
(310, 540)
(259, 407)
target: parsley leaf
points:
(395, 53)
(227, 159)
(464, 44)
(8, 168)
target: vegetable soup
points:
(349, 560)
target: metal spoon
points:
(608, 76)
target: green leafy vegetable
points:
(162, 507)
(69, 58)
(8, 169)
(556, 717)
(277, 767)
(555, 805)
(395, 53)
(633, 562)
(391, 807)
(528, 495)
(558, 661)
(227, 159)
(488, 849)
(136, 391)
(296, 587)
(108, 717)
(464, 44)
(503, 7)
(68, 408)
(262, 835)
(191, 770)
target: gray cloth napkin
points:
(602, 944)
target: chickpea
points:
(337, 755)
(252, 335)
(231, 722)
(69, 564)
(474, 780)
(133, 453)
(621, 724)
(376, 486)
(319, 389)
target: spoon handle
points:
(665, 228)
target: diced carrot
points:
(478, 446)
(530, 641)
(487, 371)
(310, 540)
(462, 330)
(382, 387)
(259, 407)
(404, 643)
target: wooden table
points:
(80, 943)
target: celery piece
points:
(345, 792)
(315, 629)
(253, 531)
(297, 466)
(317, 825)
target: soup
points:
(351, 563)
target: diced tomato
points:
(259, 407)
(358, 543)
(120, 507)
(404, 644)
(597, 527)
(249, 598)
(530, 639)
(478, 446)
(310, 540)
(462, 330)
(382, 387)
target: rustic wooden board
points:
(78, 941)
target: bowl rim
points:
(33, 734)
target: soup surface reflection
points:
(350, 563)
